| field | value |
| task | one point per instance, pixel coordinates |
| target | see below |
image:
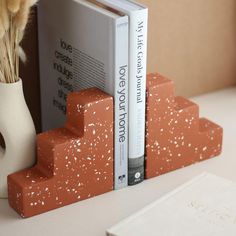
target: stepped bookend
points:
(75, 162)
(175, 135)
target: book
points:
(138, 16)
(203, 206)
(83, 45)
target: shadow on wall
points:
(30, 71)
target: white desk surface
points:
(92, 217)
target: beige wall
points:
(193, 42)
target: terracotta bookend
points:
(175, 136)
(74, 162)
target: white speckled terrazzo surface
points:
(92, 217)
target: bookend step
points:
(175, 136)
(75, 162)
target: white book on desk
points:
(138, 18)
(205, 206)
(84, 45)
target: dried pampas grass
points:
(14, 16)
(13, 5)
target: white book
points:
(138, 15)
(83, 45)
(205, 206)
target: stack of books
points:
(103, 44)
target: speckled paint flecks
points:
(175, 136)
(75, 162)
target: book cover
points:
(83, 45)
(204, 206)
(138, 16)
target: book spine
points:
(137, 94)
(121, 67)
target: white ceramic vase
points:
(18, 131)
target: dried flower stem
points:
(14, 16)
